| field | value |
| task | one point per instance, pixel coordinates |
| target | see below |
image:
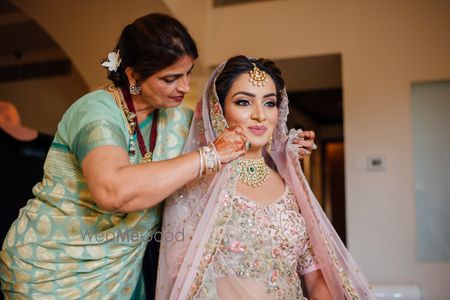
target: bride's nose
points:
(258, 113)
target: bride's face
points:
(252, 107)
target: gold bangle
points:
(219, 164)
(210, 160)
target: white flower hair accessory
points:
(113, 61)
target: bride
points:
(254, 230)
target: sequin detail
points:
(265, 243)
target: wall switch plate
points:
(376, 162)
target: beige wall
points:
(385, 45)
(87, 30)
(389, 45)
(41, 102)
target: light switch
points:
(376, 162)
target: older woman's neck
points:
(143, 108)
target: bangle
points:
(209, 161)
(219, 164)
(202, 163)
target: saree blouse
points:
(264, 244)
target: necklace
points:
(130, 112)
(253, 172)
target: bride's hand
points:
(230, 144)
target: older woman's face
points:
(167, 87)
(252, 107)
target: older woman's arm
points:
(117, 185)
(316, 286)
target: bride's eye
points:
(270, 103)
(242, 102)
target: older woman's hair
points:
(150, 44)
(238, 65)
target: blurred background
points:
(371, 78)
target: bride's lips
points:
(177, 98)
(257, 130)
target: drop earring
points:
(135, 89)
(269, 145)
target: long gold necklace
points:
(253, 172)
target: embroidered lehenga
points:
(232, 247)
(63, 246)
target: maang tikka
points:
(257, 76)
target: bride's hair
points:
(238, 65)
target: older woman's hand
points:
(230, 144)
(305, 139)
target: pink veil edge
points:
(200, 210)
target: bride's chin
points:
(256, 146)
(260, 143)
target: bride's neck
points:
(253, 153)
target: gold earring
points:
(269, 145)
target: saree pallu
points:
(63, 246)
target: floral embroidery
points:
(266, 243)
(216, 235)
(217, 119)
(346, 282)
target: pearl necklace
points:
(253, 172)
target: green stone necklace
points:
(253, 172)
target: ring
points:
(247, 145)
(314, 146)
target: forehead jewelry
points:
(257, 76)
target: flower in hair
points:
(113, 61)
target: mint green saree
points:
(62, 245)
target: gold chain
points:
(253, 172)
